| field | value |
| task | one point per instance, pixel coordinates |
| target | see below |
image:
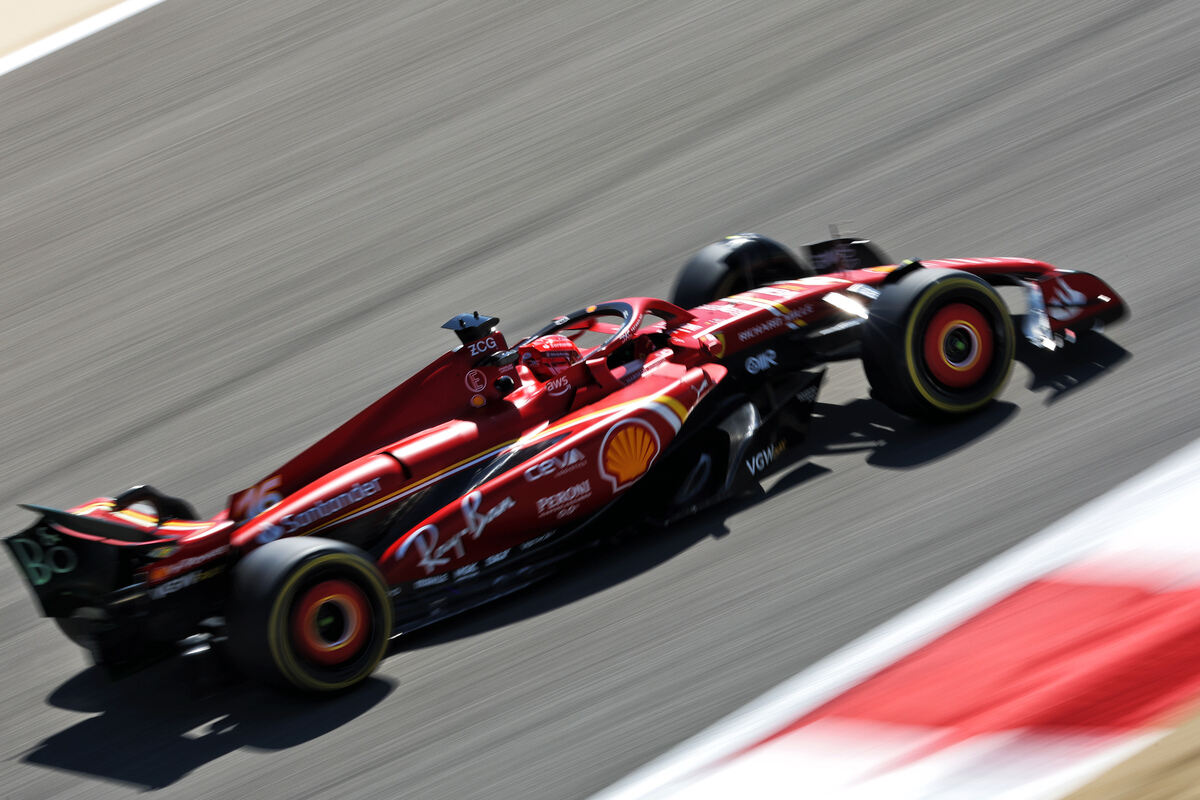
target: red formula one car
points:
(473, 477)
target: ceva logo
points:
(556, 465)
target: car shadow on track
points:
(894, 441)
(1076, 365)
(889, 439)
(151, 732)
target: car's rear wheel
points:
(735, 264)
(310, 614)
(938, 344)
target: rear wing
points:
(72, 560)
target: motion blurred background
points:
(226, 226)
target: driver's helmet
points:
(547, 356)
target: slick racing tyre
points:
(309, 614)
(735, 264)
(937, 344)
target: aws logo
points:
(627, 451)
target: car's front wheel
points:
(938, 344)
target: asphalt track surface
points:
(226, 226)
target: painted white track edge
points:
(68, 36)
(1154, 495)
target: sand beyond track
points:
(1167, 770)
(26, 23)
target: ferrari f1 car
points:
(475, 476)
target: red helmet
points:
(548, 356)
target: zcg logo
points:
(483, 346)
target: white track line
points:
(1162, 498)
(68, 36)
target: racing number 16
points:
(257, 499)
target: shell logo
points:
(627, 452)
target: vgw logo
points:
(759, 461)
(44, 559)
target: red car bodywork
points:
(476, 460)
